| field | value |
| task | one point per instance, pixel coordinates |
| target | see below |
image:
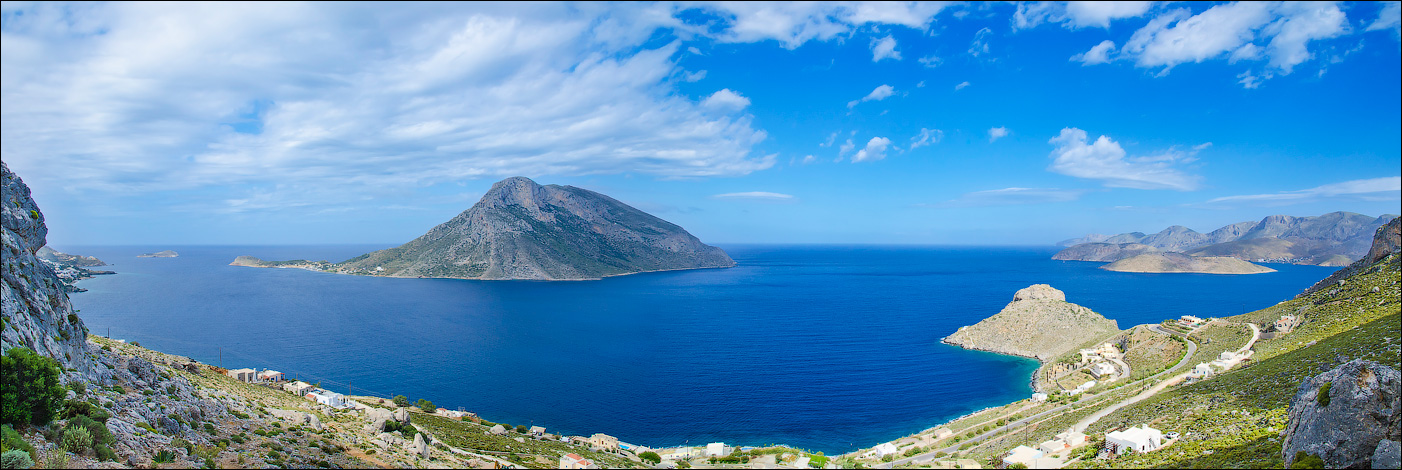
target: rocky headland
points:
(1168, 262)
(1039, 323)
(159, 254)
(1333, 239)
(523, 230)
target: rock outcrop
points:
(522, 230)
(1039, 323)
(1332, 239)
(1181, 263)
(1387, 241)
(33, 301)
(1344, 414)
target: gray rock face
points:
(1388, 454)
(33, 301)
(1364, 408)
(1106, 252)
(401, 415)
(1039, 292)
(522, 230)
(1387, 241)
(420, 447)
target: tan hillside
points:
(1039, 323)
(1181, 263)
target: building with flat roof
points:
(1141, 439)
(573, 460)
(1023, 455)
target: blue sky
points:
(921, 123)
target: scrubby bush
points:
(521, 428)
(650, 456)
(16, 459)
(30, 392)
(426, 406)
(1303, 460)
(164, 456)
(77, 439)
(104, 453)
(78, 388)
(72, 408)
(11, 440)
(1323, 397)
(97, 431)
(401, 401)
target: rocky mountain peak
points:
(516, 190)
(1039, 292)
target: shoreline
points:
(312, 269)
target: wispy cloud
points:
(1099, 54)
(880, 93)
(926, 137)
(756, 195)
(726, 100)
(1013, 196)
(998, 133)
(1106, 161)
(961, 86)
(884, 48)
(1373, 189)
(875, 150)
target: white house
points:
(1202, 370)
(1086, 386)
(716, 449)
(1023, 455)
(941, 433)
(327, 397)
(243, 375)
(1039, 397)
(679, 453)
(573, 460)
(1140, 439)
(801, 462)
(885, 449)
(1063, 442)
(270, 376)
(297, 388)
(1101, 369)
(537, 430)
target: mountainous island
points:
(1170, 262)
(71, 268)
(1039, 323)
(523, 230)
(159, 254)
(1333, 239)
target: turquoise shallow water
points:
(829, 348)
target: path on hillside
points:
(1089, 420)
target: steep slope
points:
(522, 230)
(1039, 323)
(1181, 263)
(1108, 252)
(1332, 239)
(34, 304)
(1387, 241)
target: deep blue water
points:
(828, 348)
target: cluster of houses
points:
(1100, 358)
(1050, 454)
(1226, 360)
(295, 387)
(573, 460)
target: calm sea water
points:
(829, 348)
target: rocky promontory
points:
(1039, 323)
(1181, 263)
(1105, 252)
(159, 254)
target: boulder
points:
(142, 370)
(401, 415)
(314, 422)
(498, 429)
(420, 447)
(377, 418)
(1039, 292)
(1388, 454)
(1362, 409)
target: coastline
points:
(313, 269)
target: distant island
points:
(71, 268)
(159, 254)
(1168, 262)
(522, 230)
(1039, 323)
(1333, 239)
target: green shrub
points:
(145, 426)
(209, 428)
(521, 428)
(1323, 397)
(72, 408)
(12, 441)
(78, 388)
(104, 453)
(56, 460)
(98, 432)
(1303, 460)
(401, 401)
(426, 406)
(650, 456)
(16, 459)
(30, 392)
(76, 439)
(164, 456)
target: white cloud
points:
(1389, 17)
(926, 137)
(726, 100)
(979, 46)
(1014, 196)
(961, 86)
(694, 76)
(930, 61)
(875, 150)
(998, 133)
(1075, 15)
(342, 101)
(1280, 33)
(831, 138)
(1374, 189)
(794, 23)
(845, 148)
(880, 93)
(757, 195)
(1099, 54)
(884, 48)
(1105, 160)
(809, 159)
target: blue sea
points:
(829, 348)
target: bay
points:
(829, 348)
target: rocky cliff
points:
(1039, 323)
(1386, 241)
(34, 304)
(1181, 263)
(522, 230)
(1106, 252)
(1347, 416)
(1332, 239)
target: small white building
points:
(1037, 397)
(677, 453)
(886, 448)
(1202, 370)
(1063, 442)
(1086, 386)
(271, 376)
(1141, 439)
(573, 460)
(326, 397)
(243, 375)
(298, 388)
(801, 462)
(1102, 369)
(717, 449)
(1023, 455)
(537, 431)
